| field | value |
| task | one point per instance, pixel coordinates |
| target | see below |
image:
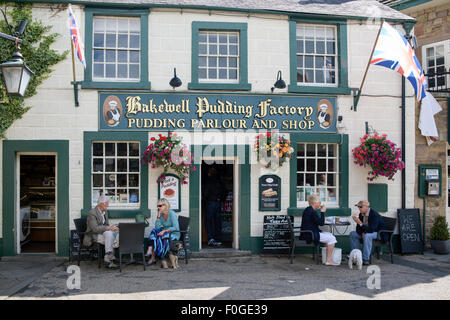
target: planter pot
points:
(441, 246)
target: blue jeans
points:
(213, 221)
(367, 243)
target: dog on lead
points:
(355, 258)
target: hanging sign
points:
(169, 189)
(172, 111)
(270, 193)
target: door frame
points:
(17, 222)
(9, 205)
(241, 156)
(236, 199)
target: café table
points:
(333, 226)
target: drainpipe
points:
(403, 141)
(407, 26)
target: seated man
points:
(368, 223)
(101, 231)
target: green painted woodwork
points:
(243, 154)
(342, 140)
(378, 196)
(90, 137)
(243, 84)
(10, 149)
(342, 87)
(88, 83)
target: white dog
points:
(355, 258)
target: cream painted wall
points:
(53, 115)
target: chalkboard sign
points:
(276, 234)
(410, 230)
(269, 193)
(75, 246)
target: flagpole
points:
(75, 84)
(356, 98)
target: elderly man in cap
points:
(368, 224)
(99, 230)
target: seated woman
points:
(166, 221)
(311, 221)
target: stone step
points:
(34, 257)
(220, 253)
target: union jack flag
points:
(394, 52)
(76, 38)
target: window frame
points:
(88, 82)
(96, 136)
(446, 44)
(242, 84)
(343, 172)
(104, 172)
(341, 87)
(316, 172)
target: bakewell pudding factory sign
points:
(172, 111)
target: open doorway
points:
(217, 205)
(37, 215)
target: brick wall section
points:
(433, 25)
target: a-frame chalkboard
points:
(410, 230)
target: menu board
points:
(169, 189)
(270, 193)
(276, 234)
(410, 230)
(75, 247)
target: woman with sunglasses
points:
(166, 221)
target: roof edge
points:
(105, 4)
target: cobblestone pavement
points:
(255, 277)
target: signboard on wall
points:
(205, 111)
(169, 189)
(270, 193)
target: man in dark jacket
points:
(368, 224)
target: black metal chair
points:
(379, 242)
(296, 242)
(131, 240)
(81, 226)
(183, 223)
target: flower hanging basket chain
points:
(272, 149)
(168, 152)
(381, 154)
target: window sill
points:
(116, 85)
(320, 90)
(220, 86)
(121, 213)
(298, 212)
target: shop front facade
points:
(58, 159)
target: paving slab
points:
(251, 277)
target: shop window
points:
(116, 173)
(436, 62)
(317, 172)
(318, 57)
(219, 56)
(116, 49)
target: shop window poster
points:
(169, 189)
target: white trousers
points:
(328, 238)
(110, 239)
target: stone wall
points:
(433, 25)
